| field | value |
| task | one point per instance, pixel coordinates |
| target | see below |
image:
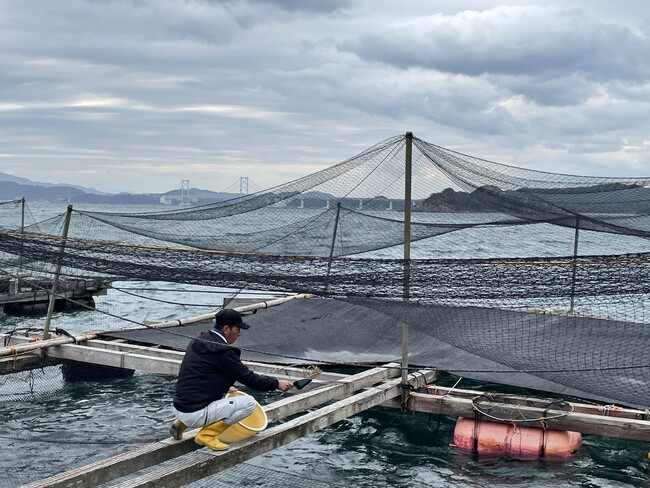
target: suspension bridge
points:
(185, 195)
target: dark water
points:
(49, 426)
(75, 424)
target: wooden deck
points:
(23, 295)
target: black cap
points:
(231, 318)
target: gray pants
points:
(231, 410)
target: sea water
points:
(50, 426)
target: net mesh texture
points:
(485, 238)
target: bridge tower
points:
(243, 185)
(185, 192)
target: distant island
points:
(610, 198)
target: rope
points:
(542, 419)
(607, 409)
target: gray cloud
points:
(137, 95)
(516, 40)
(309, 5)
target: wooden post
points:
(407, 256)
(22, 215)
(22, 231)
(57, 273)
(336, 227)
(575, 264)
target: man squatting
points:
(209, 370)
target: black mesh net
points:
(485, 239)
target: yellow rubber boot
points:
(176, 429)
(207, 436)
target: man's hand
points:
(284, 385)
(232, 389)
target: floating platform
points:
(22, 296)
(325, 403)
(330, 398)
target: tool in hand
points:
(300, 384)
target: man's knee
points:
(248, 405)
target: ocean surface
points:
(50, 426)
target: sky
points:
(137, 95)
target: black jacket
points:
(210, 367)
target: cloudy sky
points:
(136, 95)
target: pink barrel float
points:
(513, 440)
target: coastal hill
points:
(14, 188)
(610, 198)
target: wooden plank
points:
(343, 387)
(27, 344)
(97, 351)
(125, 347)
(118, 359)
(203, 464)
(150, 454)
(607, 410)
(529, 416)
(24, 362)
(154, 360)
(150, 359)
(114, 345)
(117, 466)
(260, 368)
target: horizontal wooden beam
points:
(24, 362)
(554, 418)
(153, 359)
(118, 359)
(341, 388)
(125, 347)
(117, 466)
(19, 345)
(607, 410)
(261, 368)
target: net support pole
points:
(336, 228)
(57, 274)
(575, 264)
(407, 259)
(22, 215)
(22, 231)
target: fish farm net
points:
(538, 272)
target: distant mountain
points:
(14, 188)
(10, 190)
(26, 181)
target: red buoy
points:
(513, 440)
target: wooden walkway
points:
(351, 395)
